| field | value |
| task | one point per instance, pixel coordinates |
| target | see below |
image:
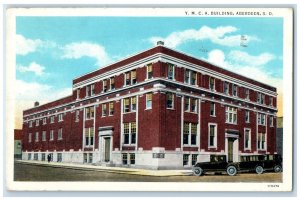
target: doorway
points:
(230, 149)
(107, 149)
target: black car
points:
(253, 163)
(217, 163)
(273, 162)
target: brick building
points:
(157, 109)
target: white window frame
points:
(129, 134)
(44, 120)
(44, 136)
(189, 104)
(260, 144)
(271, 121)
(247, 113)
(271, 101)
(215, 135)
(78, 94)
(110, 85)
(37, 122)
(187, 72)
(172, 95)
(104, 86)
(104, 105)
(131, 104)
(77, 113)
(36, 139)
(90, 135)
(87, 91)
(109, 109)
(233, 111)
(60, 117)
(196, 105)
(173, 71)
(149, 102)
(147, 69)
(214, 84)
(52, 119)
(125, 84)
(261, 119)
(224, 91)
(190, 135)
(234, 86)
(59, 134)
(51, 138)
(247, 94)
(249, 139)
(92, 89)
(131, 77)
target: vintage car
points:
(260, 163)
(217, 163)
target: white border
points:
(147, 186)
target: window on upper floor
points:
(193, 78)
(52, 119)
(127, 78)
(133, 77)
(30, 124)
(212, 107)
(260, 98)
(89, 112)
(270, 100)
(104, 110)
(59, 134)
(271, 121)
(247, 116)
(170, 100)
(247, 139)
(77, 115)
(51, 135)
(261, 141)
(194, 105)
(190, 77)
(189, 134)
(129, 133)
(111, 108)
(261, 119)
(186, 104)
(133, 104)
(234, 90)
(37, 136)
(149, 101)
(29, 137)
(226, 88)
(126, 105)
(60, 117)
(187, 76)
(212, 131)
(171, 71)
(89, 136)
(112, 83)
(149, 71)
(45, 120)
(78, 94)
(231, 115)
(212, 83)
(37, 122)
(247, 92)
(104, 87)
(129, 104)
(44, 136)
(92, 89)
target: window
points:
(126, 105)
(88, 157)
(247, 94)
(44, 136)
(212, 109)
(92, 89)
(104, 87)
(37, 136)
(59, 157)
(124, 159)
(60, 117)
(59, 135)
(170, 101)
(194, 159)
(234, 90)
(193, 78)
(231, 115)
(187, 76)
(77, 115)
(103, 109)
(37, 122)
(133, 77)
(132, 159)
(43, 156)
(226, 88)
(88, 91)
(212, 135)
(35, 156)
(127, 79)
(112, 83)
(185, 159)
(186, 104)
(189, 133)
(170, 71)
(247, 136)
(89, 136)
(271, 121)
(149, 71)
(30, 124)
(52, 119)
(194, 105)
(45, 120)
(260, 98)
(89, 112)
(247, 116)
(133, 104)
(77, 93)
(261, 141)
(211, 83)
(29, 156)
(270, 101)
(111, 108)
(149, 101)
(29, 137)
(261, 119)
(129, 132)
(51, 135)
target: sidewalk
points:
(119, 170)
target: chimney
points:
(160, 43)
(36, 104)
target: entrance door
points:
(230, 149)
(107, 149)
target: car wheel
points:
(231, 170)
(277, 168)
(198, 171)
(259, 169)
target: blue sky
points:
(51, 51)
